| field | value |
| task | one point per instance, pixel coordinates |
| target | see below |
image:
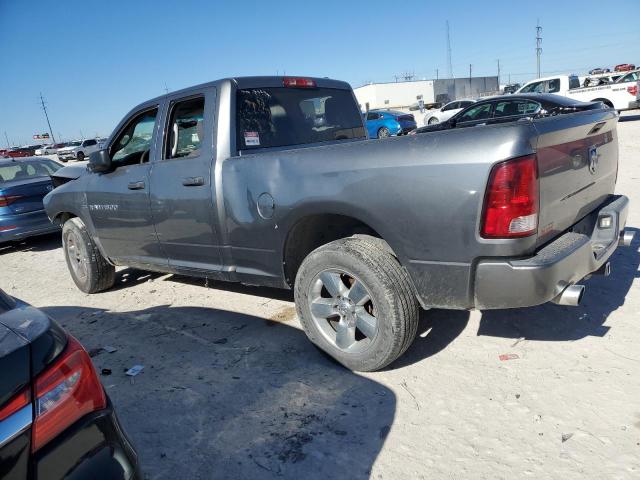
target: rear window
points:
(29, 169)
(278, 117)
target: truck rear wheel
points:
(88, 268)
(355, 302)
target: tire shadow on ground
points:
(233, 394)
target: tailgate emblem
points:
(593, 159)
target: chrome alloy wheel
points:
(77, 255)
(343, 310)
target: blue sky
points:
(93, 61)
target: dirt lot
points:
(232, 389)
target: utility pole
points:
(449, 64)
(44, 107)
(436, 74)
(166, 89)
(470, 70)
(538, 45)
(498, 73)
(6, 138)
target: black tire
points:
(384, 132)
(394, 303)
(88, 268)
(80, 156)
(433, 121)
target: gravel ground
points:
(232, 389)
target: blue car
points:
(386, 123)
(23, 184)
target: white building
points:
(395, 95)
(405, 96)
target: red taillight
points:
(6, 200)
(511, 202)
(298, 82)
(633, 90)
(19, 401)
(68, 390)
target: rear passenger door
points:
(182, 190)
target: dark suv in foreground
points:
(56, 420)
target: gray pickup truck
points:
(272, 181)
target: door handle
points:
(135, 186)
(193, 181)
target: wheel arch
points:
(606, 101)
(313, 230)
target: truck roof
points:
(255, 81)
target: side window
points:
(465, 104)
(132, 145)
(479, 112)
(451, 106)
(89, 143)
(372, 116)
(535, 87)
(185, 130)
(574, 82)
(553, 85)
(510, 108)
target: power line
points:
(44, 108)
(538, 45)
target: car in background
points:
(387, 123)
(624, 67)
(597, 71)
(511, 88)
(56, 421)
(511, 108)
(24, 151)
(446, 112)
(23, 184)
(78, 150)
(50, 149)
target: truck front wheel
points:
(88, 268)
(355, 302)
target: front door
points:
(118, 201)
(182, 190)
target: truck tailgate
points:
(578, 164)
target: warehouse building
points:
(405, 96)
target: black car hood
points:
(71, 172)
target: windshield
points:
(27, 169)
(276, 117)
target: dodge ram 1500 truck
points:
(272, 181)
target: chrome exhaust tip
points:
(571, 296)
(604, 270)
(626, 237)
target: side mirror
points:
(100, 162)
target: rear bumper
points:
(510, 283)
(94, 447)
(17, 227)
